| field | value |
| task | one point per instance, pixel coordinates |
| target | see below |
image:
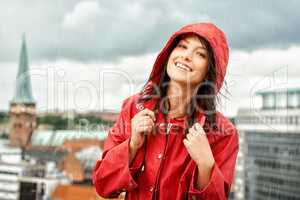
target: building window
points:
(281, 100)
(293, 100)
(268, 101)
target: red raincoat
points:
(162, 168)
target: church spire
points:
(23, 94)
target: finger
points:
(146, 121)
(144, 129)
(147, 112)
(196, 130)
(198, 127)
(186, 143)
(189, 137)
(148, 130)
(144, 118)
(194, 126)
(192, 131)
(195, 134)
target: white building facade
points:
(269, 159)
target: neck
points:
(179, 96)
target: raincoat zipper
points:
(169, 126)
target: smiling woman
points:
(191, 71)
(169, 141)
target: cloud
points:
(265, 61)
(81, 39)
(69, 84)
(249, 72)
(83, 12)
(95, 30)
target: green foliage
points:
(3, 136)
(57, 122)
(61, 123)
(91, 120)
(3, 117)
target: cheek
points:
(170, 60)
(169, 67)
(201, 66)
(169, 63)
(174, 54)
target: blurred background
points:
(66, 67)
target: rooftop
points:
(57, 138)
(76, 192)
(279, 89)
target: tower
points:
(22, 107)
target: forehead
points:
(193, 38)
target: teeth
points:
(181, 66)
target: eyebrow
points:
(201, 47)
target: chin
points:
(179, 79)
(184, 80)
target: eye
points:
(200, 54)
(180, 45)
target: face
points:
(188, 62)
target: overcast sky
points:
(72, 44)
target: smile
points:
(183, 67)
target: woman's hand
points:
(141, 124)
(199, 149)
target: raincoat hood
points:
(214, 36)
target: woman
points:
(169, 141)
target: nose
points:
(187, 55)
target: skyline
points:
(259, 49)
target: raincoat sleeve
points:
(219, 185)
(112, 174)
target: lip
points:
(184, 66)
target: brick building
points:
(22, 107)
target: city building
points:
(22, 107)
(43, 164)
(269, 159)
(10, 169)
(22, 180)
